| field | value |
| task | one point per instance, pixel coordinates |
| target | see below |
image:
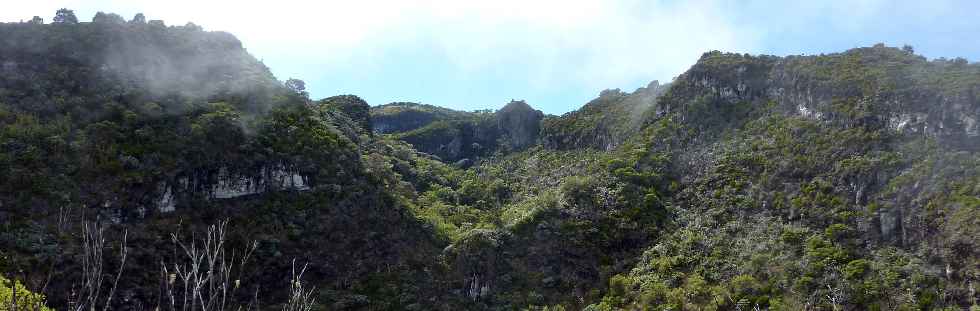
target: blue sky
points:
(557, 55)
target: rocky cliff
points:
(404, 117)
(455, 136)
(875, 86)
(519, 124)
(834, 167)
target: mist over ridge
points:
(555, 55)
(146, 165)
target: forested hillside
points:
(147, 166)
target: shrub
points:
(26, 300)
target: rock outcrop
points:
(456, 135)
(403, 116)
(519, 124)
(227, 186)
(903, 97)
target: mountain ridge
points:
(846, 180)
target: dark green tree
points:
(297, 86)
(908, 49)
(65, 16)
(193, 26)
(108, 18)
(139, 19)
(37, 20)
(354, 107)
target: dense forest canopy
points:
(143, 164)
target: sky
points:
(556, 55)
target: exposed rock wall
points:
(227, 186)
(519, 123)
(799, 86)
(453, 135)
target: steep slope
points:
(820, 181)
(354, 108)
(126, 127)
(603, 123)
(79, 68)
(874, 87)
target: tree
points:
(99, 17)
(139, 19)
(297, 86)
(108, 18)
(193, 26)
(354, 107)
(14, 293)
(37, 20)
(908, 49)
(65, 16)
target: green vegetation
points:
(750, 182)
(15, 294)
(404, 117)
(604, 123)
(784, 210)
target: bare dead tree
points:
(836, 289)
(90, 289)
(299, 298)
(973, 293)
(835, 296)
(207, 274)
(204, 275)
(122, 262)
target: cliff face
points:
(896, 95)
(843, 162)
(519, 124)
(151, 130)
(138, 107)
(875, 87)
(456, 136)
(404, 117)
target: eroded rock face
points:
(799, 86)
(167, 201)
(455, 135)
(228, 186)
(402, 121)
(402, 117)
(520, 124)
(890, 226)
